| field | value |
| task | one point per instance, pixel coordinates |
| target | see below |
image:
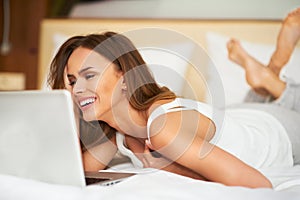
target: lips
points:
(86, 102)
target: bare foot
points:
(291, 27)
(286, 41)
(255, 71)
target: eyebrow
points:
(84, 69)
(80, 72)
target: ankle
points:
(279, 60)
(273, 84)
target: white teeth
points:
(87, 101)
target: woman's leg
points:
(287, 39)
(253, 97)
(261, 78)
(290, 98)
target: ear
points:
(123, 84)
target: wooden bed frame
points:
(264, 32)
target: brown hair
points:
(142, 90)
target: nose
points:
(79, 86)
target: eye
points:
(71, 83)
(72, 80)
(89, 76)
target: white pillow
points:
(232, 75)
(168, 67)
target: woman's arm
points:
(185, 147)
(98, 157)
(163, 163)
(141, 150)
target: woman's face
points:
(95, 83)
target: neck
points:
(128, 120)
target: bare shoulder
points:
(158, 103)
(166, 128)
(180, 124)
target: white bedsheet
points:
(154, 184)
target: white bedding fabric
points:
(154, 184)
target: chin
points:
(89, 117)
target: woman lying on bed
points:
(112, 85)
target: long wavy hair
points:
(142, 89)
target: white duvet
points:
(154, 184)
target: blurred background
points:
(20, 23)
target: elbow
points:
(249, 180)
(259, 182)
(263, 184)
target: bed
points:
(258, 37)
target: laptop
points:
(39, 140)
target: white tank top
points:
(254, 136)
(120, 140)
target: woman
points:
(111, 83)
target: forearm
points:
(90, 163)
(98, 157)
(181, 170)
(215, 164)
(220, 166)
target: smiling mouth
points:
(87, 102)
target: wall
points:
(187, 9)
(27, 15)
(25, 18)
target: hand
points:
(156, 160)
(153, 159)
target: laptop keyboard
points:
(90, 181)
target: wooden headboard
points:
(253, 31)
